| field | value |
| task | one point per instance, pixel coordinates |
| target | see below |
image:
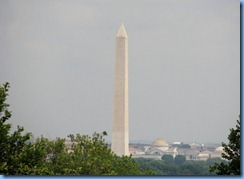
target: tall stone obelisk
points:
(120, 131)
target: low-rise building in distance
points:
(160, 147)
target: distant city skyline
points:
(184, 66)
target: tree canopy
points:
(179, 159)
(88, 155)
(168, 158)
(231, 154)
(11, 145)
(189, 167)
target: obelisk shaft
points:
(120, 132)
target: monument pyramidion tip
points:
(122, 31)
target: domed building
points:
(219, 149)
(158, 147)
(195, 146)
(218, 152)
(160, 143)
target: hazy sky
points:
(184, 66)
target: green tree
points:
(11, 145)
(125, 165)
(212, 161)
(94, 157)
(168, 158)
(231, 153)
(161, 167)
(87, 156)
(191, 167)
(90, 155)
(35, 158)
(179, 159)
(4, 112)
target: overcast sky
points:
(184, 66)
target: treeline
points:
(178, 166)
(88, 155)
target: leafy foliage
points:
(86, 156)
(179, 159)
(168, 158)
(189, 167)
(231, 153)
(4, 113)
(11, 145)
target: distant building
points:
(196, 146)
(160, 147)
(190, 154)
(205, 155)
(217, 153)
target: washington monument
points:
(120, 131)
